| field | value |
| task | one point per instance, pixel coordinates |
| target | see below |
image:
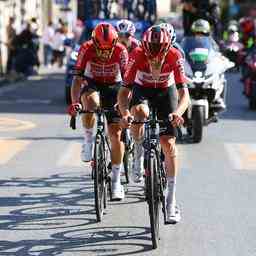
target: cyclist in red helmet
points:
(99, 69)
(154, 74)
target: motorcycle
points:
(205, 69)
(250, 79)
(232, 49)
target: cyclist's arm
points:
(123, 61)
(76, 88)
(78, 74)
(180, 80)
(183, 99)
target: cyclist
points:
(152, 72)
(172, 34)
(100, 66)
(126, 31)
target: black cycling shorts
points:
(108, 97)
(164, 100)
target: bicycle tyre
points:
(153, 197)
(99, 180)
(128, 164)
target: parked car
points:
(141, 26)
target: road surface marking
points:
(242, 156)
(9, 148)
(71, 157)
(10, 124)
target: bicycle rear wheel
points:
(99, 179)
(153, 197)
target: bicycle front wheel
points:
(153, 197)
(99, 179)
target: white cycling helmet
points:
(170, 29)
(125, 27)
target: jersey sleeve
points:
(179, 70)
(131, 70)
(81, 59)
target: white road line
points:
(233, 153)
(71, 156)
(242, 156)
(10, 148)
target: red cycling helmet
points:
(104, 36)
(156, 42)
(247, 25)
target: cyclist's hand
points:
(74, 108)
(175, 119)
(126, 121)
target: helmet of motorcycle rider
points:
(104, 37)
(232, 28)
(156, 42)
(201, 27)
(125, 27)
(247, 25)
(170, 30)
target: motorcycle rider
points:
(126, 31)
(202, 28)
(248, 31)
(152, 73)
(100, 67)
(248, 35)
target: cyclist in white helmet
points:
(126, 31)
(172, 34)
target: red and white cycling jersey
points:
(138, 70)
(106, 72)
(134, 43)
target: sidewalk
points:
(15, 78)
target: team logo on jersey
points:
(180, 64)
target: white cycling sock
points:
(88, 135)
(116, 172)
(171, 191)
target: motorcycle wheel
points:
(198, 123)
(252, 103)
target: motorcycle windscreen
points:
(199, 55)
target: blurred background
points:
(67, 18)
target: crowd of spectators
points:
(23, 46)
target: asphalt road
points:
(46, 194)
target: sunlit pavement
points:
(46, 192)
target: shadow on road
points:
(62, 205)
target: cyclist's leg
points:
(168, 143)
(140, 111)
(90, 101)
(108, 100)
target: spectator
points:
(11, 37)
(58, 47)
(26, 55)
(201, 9)
(47, 40)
